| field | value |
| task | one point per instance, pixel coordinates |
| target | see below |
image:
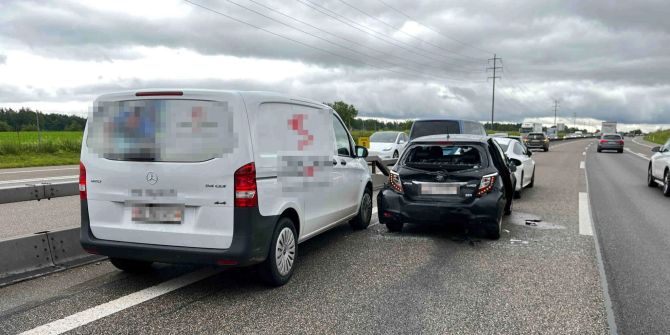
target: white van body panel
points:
(110, 186)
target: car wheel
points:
(395, 154)
(517, 194)
(394, 226)
(546, 149)
(666, 187)
(495, 230)
(620, 151)
(532, 180)
(362, 219)
(277, 269)
(600, 150)
(650, 178)
(130, 265)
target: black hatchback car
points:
(455, 180)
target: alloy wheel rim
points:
(285, 251)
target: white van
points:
(216, 177)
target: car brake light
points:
(394, 182)
(82, 181)
(245, 186)
(487, 184)
(620, 141)
(603, 141)
(158, 93)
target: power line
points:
(376, 34)
(495, 67)
(382, 52)
(432, 29)
(471, 59)
(305, 44)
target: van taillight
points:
(82, 181)
(487, 184)
(246, 194)
(394, 182)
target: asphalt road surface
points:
(632, 222)
(541, 279)
(38, 172)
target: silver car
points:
(610, 142)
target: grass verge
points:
(659, 137)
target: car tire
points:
(395, 227)
(495, 230)
(517, 194)
(620, 151)
(650, 178)
(546, 149)
(362, 219)
(666, 186)
(278, 267)
(532, 180)
(600, 150)
(395, 154)
(131, 265)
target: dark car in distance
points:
(537, 141)
(611, 142)
(460, 180)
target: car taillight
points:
(246, 194)
(620, 141)
(394, 182)
(603, 141)
(487, 184)
(82, 181)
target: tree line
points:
(25, 119)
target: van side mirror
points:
(656, 149)
(361, 152)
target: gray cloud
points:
(602, 59)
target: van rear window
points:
(451, 157)
(435, 127)
(161, 130)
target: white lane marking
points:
(582, 165)
(585, 224)
(19, 181)
(584, 153)
(30, 171)
(374, 211)
(642, 144)
(636, 153)
(98, 312)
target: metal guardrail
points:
(38, 191)
(382, 164)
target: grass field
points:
(659, 137)
(23, 149)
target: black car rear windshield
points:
(434, 127)
(611, 137)
(449, 157)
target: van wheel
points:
(362, 219)
(277, 269)
(130, 265)
(650, 178)
(394, 226)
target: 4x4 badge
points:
(152, 178)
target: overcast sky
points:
(603, 60)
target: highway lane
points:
(535, 279)
(38, 172)
(633, 229)
(29, 217)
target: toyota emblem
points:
(152, 178)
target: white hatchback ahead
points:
(216, 177)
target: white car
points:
(659, 168)
(521, 157)
(387, 144)
(216, 177)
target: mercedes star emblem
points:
(152, 178)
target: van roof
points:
(206, 93)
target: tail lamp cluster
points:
(605, 141)
(246, 192)
(394, 182)
(487, 184)
(82, 181)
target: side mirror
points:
(515, 162)
(656, 149)
(512, 167)
(529, 153)
(401, 141)
(361, 152)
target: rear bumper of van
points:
(251, 243)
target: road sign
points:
(364, 142)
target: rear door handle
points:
(343, 162)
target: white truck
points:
(530, 127)
(608, 128)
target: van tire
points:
(362, 219)
(269, 269)
(130, 265)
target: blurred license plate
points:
(158, 213)
(439, 189)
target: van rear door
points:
(160, 168)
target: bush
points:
(4, 126)
(29, 127)
(74, 126)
